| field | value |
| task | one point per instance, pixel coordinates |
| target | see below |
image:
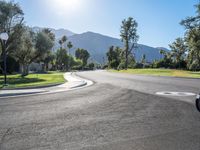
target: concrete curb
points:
(80, 85)
(74, 82)
(34, 87)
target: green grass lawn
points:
(32, 80)
(161, 72)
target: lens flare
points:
(64, 6)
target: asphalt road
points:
(119, 112)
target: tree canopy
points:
(83, 55)
(129, 36)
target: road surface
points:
(119, 112)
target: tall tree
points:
(50, 34)
(49, 56)
(178, 49)
(166, 61)
(192, 36)
(162, 52)
(11, 19)
(63, 63)
(10, 15)
(61, 59)
(83, 55)
(129, 37)
(64, 38)
(192, 21)
(62, 41)
(25, 51)
(114, 57)
(193, 43)
(43, 45)
(165, 54)
(69, 45)
(49, 60)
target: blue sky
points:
(158, 19)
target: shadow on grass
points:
(49, 72)
(20, 80)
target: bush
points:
(91, 66)
(77, 64)
(12, 65)
(181, 65)
(138, 65)
(104, 66)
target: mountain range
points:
(98, 45)
(58, 32)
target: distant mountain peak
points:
(97, 34)
(58, 32)
(91, 33)
(162, 48)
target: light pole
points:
(4, 38)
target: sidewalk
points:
(73, 82)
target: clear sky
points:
(158, 19)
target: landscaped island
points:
(33, 80)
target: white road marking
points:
(170, 93)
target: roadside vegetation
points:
(33, 80)
(26, 50)
(25, 47)
(161, 72)
(183, 57)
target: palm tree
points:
(69, 45)
(62, 41)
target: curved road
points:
(119, 112)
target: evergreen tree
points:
(129, 37)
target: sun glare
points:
(64, 6)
